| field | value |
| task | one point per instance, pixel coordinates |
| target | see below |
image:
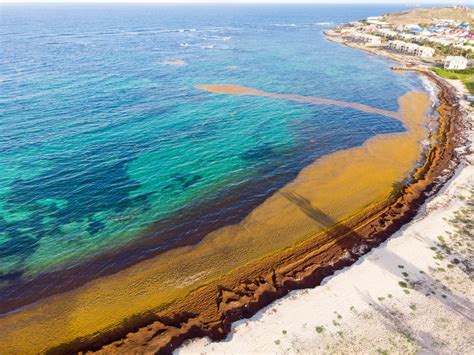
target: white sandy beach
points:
(414, 293)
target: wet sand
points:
(284, 233)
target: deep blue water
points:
(100, 141)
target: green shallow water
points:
(99, 141)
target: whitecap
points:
(216, 38)
(285, 24)
(208, 47)
(324, 23)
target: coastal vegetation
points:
(465, 75)
(458, 247)
(452, 50)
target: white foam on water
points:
(432, 90)
(284, 24)
(208, 47)
(324, 23)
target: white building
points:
(373, 40)
(425, 52)
(409, 37)
(441, 41)
(412, 49)
(385, 32)
(366, 38)
(376, 20)
(455, 63)
(397, 45)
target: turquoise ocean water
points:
(103, 147)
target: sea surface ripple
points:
(103, 134)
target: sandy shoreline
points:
(210, 309)
(414, 293)
(366, 308)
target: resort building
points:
(366, 38)
(396, 45)
(387, 33)
(441, 41)
(412, 49)
(409, 37)
(455, 63)
(425, 52)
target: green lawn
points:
(466, 76)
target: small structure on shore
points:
(455, 63)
